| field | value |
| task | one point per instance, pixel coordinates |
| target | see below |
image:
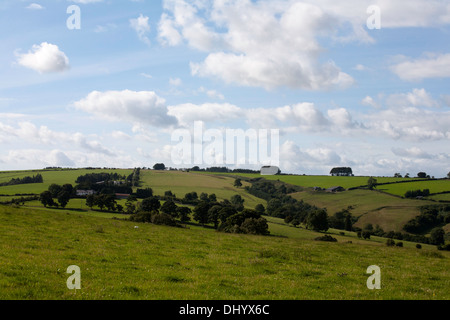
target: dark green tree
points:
(55, 189)
(260, 209)
(90, 201)
(437, 236)
(318, 220)
(159, 166)
(372, 183)
(169, 207)
(63, 198)
(237, 183)
(422, 175)
(46, 199)
(150, 204)
(183, 214)
(213, 215)
(237, 201)
(201, 212)
(348, 222)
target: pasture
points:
(118, 261)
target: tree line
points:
(25, 180)
(226, 216)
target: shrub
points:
(399, 244)
(444, 247)
(418, 246)
(390, 242)
(163, 219)
(145, 217)
(365, 234)
(326, 237)
(255, 226)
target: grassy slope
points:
(435, 186)
(181, 183)
(118, 261)
(49, 176)
(391, 213)
(317, 181)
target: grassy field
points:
(50, 176)
(316, 181)
(399, 189)
(389, 212)
(181, 183)
(118, 261)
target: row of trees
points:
(63, 194)
(226, 216)
(431, 216)
(281, 205)
(34, 179)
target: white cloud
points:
(146, 75)
(360, 67)
(311, 160)
(35, 6)
(275, 43)
(413, 152)
(167, 32)
(142, 28)
(430, 66)
(44, 58)
(105, 28)
(369, 101)
(137, 107)
(415, 98)
(188, 113)
(214, 94)
(259, 44)
(29, 132)
(175, 82)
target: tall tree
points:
(159, 166)
(63, 198)
(372, 183)
(201, 212)
(46, 198)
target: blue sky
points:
(111, 93)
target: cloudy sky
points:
(106, 83)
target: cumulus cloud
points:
(43, 135)
(44, 58)
(430, 66)
(413, 152)
(263, 45)
(272, 44)
(188, 113)
(137, 107)
(295, 158)
(142, 28)
(415, 98)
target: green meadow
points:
(119, 261)
(399, 189)
(308, 181)
(377, 208)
